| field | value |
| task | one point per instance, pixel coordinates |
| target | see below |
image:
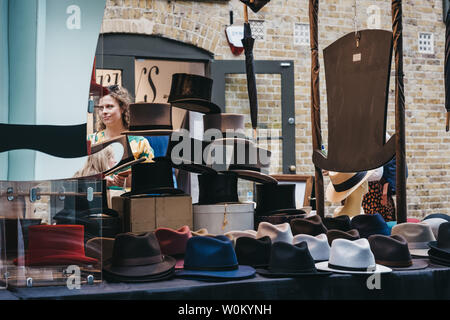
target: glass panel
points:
(269, 118)
(47, 225)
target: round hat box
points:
(224, 217)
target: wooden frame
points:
(296, 179)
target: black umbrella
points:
(447, 68)
(248, 43)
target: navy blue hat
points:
(369, 224)
(212, 259)
(438, 215)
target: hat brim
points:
(243, 272)
(152, 192)
(153, 278)
(421, 253)
(434, 245)
(378, 269)
(335, 197)
(417, 264)
(197, 105)
(156, 132)
(254, 176)
(57, 260)
(439, 261)
(269, 274)
(141, 271)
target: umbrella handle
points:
(448, 121)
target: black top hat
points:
(192, 92)
(255, 5)
(393, 252)
(152, 178)
(274, 198)
(138, 258)
(337, 223)
(288, 260)
(150, 119)
(311, 225)
(217, 188)
(187, 154)
(228, 124)
(253, 252)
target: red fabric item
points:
(55, 245)
(97, 89)
(173, 242)
(412, 220)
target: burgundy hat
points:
(173, 242)
(310, 225)
(50, 245)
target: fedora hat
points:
(274, 198)
(152, 178)
(288, 260)
(138, 258)
(369, 224)
(100, 248)
(276, 232)
(150, 119)
(230, 125)
(311, 225)
(236, 234)
(318, 245)
(442, 244)
(342, 184)
(173, 242)
(393, 252)
(434, 223)
(352, 257)
(337, 223)
(418, 235)
(186, 153)
(50, 245)
(242, 157)
(438, 215)
(192, 92)
(217, 188)
(253, 252)
(213, 259)
(281, 217)
(255, 5)
(351, 235)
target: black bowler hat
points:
(253, 252)
(272, 198)
(192, 92)
(393, 252)
(152, 178)
(138, 258)
(337, 223)
(217, 188)
(288, 260)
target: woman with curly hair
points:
(112, 119)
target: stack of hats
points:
(439, 252)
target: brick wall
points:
(427, 144)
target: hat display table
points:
(221, 218)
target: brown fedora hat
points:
(352, 234)
(312, 225)
(150, 119)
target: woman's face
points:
(109, 111)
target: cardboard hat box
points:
(144, 214)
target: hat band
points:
(151, 127)
(138, 261)
(350, 183)
(333, 266)
(218, 268)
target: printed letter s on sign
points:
(73, 22)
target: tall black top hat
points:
(217, 188)
(274, 198)
(192, 92)
(150, 119)
(152, 178)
